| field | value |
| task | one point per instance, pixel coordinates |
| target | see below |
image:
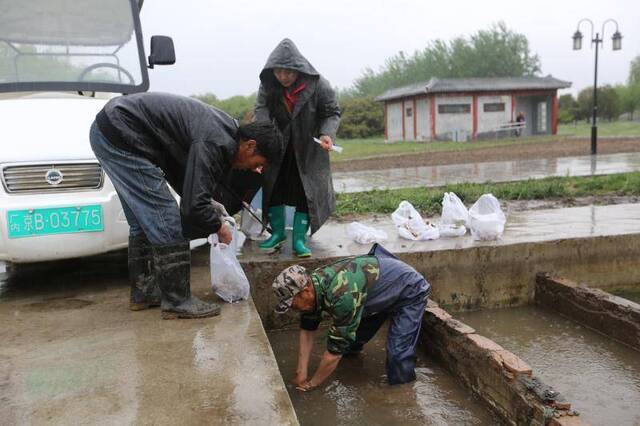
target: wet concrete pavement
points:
(72, 353)
(357, 393)
(599, 376)
(499, 171)
(521, 227)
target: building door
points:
(541, 119)
(394, 121)
(537, 113)
(526, 105)
(423, 119)
(409, 117)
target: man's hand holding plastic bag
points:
(228, 279)
(225, 234)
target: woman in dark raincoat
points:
(304, 106)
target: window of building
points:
(409, 112)
(494, 107)
(454, 109)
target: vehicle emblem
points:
(54, 177)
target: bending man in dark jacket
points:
(147, 140)
(359, 294)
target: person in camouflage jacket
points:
(359, 294)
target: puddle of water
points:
(357, 393)
(601, 378)
(498, 171)
(633, 295)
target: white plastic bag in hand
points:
(486, 218)
(454, 211)
(228, 279)
(250, 225)
(410, 224)
(365, 234)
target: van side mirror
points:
(162, 51)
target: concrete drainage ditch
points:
(523, 362)
(497, 367)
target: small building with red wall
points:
(471, 108)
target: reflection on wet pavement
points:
(600, 377)
(73, 353)
(357, 393)
(499, 171)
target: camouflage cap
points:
(287, 284)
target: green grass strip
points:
(428, 200)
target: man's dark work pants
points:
(400, 295)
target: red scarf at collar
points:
(291, 96)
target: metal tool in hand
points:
(248, 208)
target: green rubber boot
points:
(277, 238)
(300, 228)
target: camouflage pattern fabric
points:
(341, 291)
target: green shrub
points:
(361, 118)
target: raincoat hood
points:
(286, 55)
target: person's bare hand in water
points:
(306, 386)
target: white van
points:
(60, 62)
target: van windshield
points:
(88, 45)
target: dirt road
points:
(547, 149)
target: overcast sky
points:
(221, 46)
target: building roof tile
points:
(452, 85)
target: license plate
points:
(60, 220)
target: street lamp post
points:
(577, 45)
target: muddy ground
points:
(565, 147)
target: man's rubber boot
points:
(300, 228)
(278, 237)
(172, 264)
(145, 292)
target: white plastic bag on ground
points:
(239, 238)
(454, 211)
(410, 224)
(455, 216)
(486, 218)
(228, 279)
(448, 230)
(365, 234)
